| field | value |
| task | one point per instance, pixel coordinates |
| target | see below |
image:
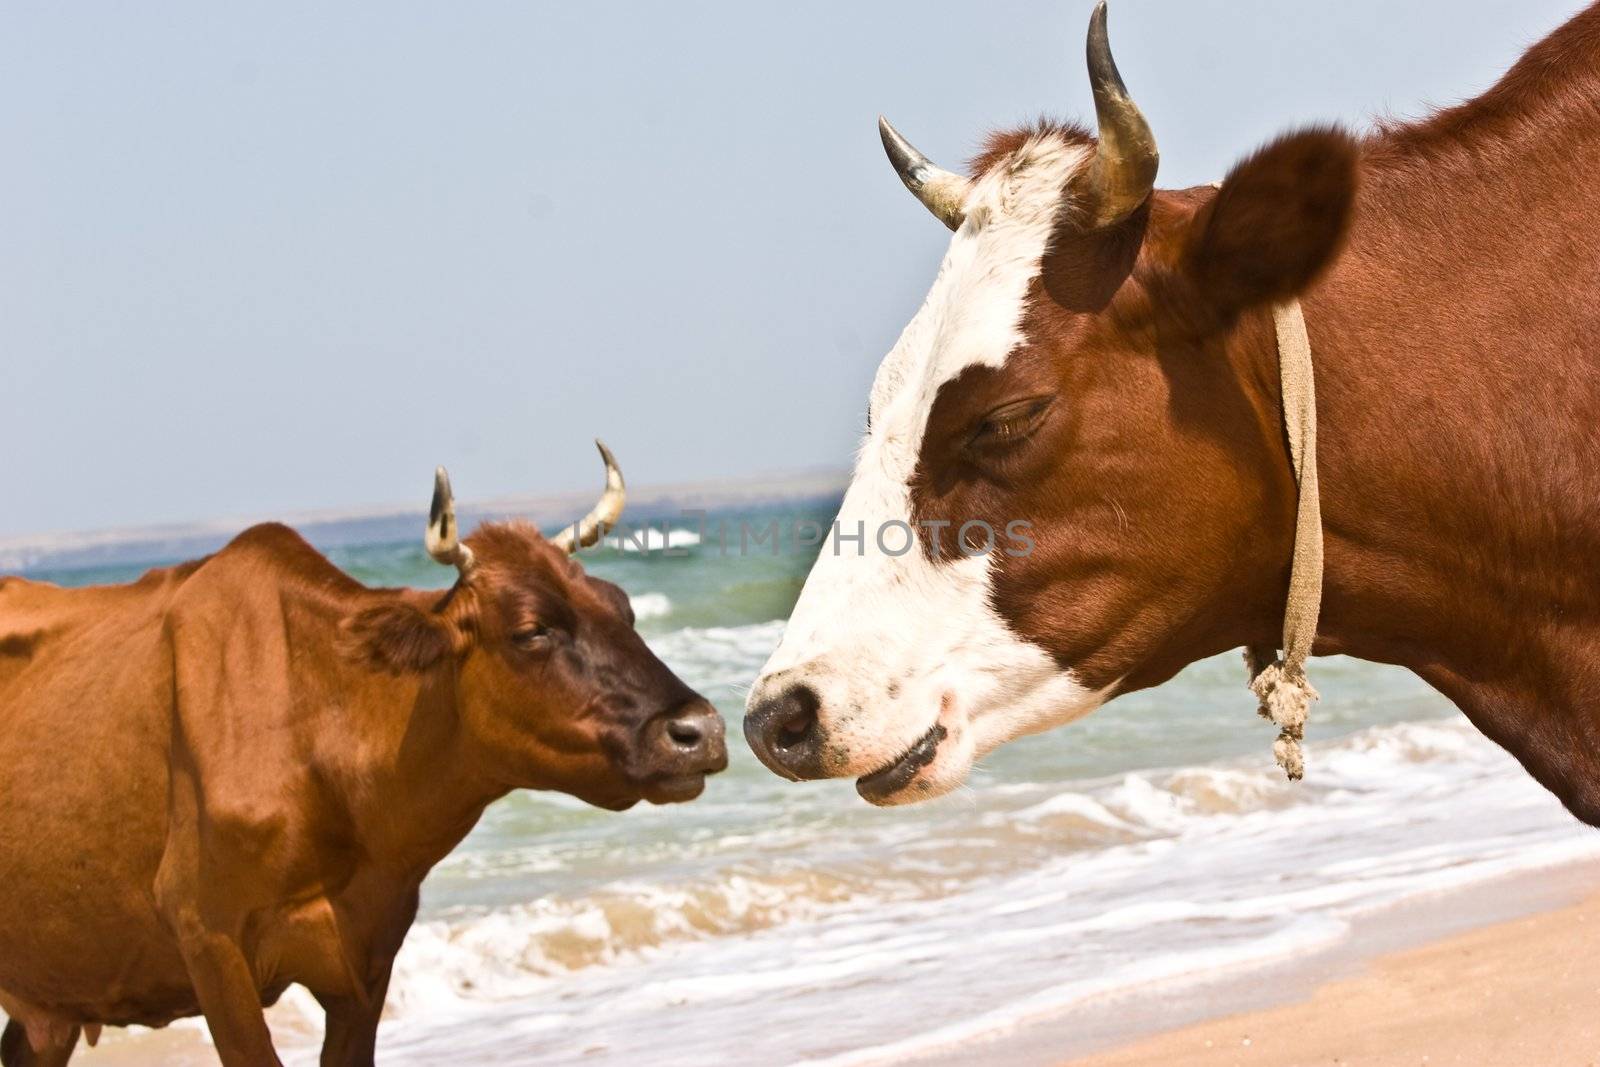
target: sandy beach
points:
(1142, 872)
(1492, 990)
(1525, 991)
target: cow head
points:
(550, 678)
(1090, 390)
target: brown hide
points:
(1448, 272)
(233, 775)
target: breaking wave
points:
(726, 929)
(652, 539)
(1060, 890)
(651, 606)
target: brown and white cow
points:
(232, 775)
(1097, 357)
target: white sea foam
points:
(1037, 897)
(648, 606)
(722, 658)
(773, 922)
(651, 539)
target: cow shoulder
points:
(252, 640)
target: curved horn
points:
(1123, 171)
(941, 192)
(444, 537)
(593, 526)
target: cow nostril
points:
(786, 734)
(798, 724)
(685, 733)
(794, 729)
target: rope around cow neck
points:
(1281, 686)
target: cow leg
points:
(228, 997)
(201, 924)
(351, 1037)
(15, 1051)
(352, 1021)
(13, 1044)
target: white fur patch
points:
(892, 643)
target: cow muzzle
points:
(785, 730)
(679, 749)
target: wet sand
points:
(1525, 991)
(1503, 972)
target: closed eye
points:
(1009, 424)
(532, 638)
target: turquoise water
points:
(771, 922)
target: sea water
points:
(771, 922)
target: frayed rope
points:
(1285, 701)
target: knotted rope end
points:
(1285, 695)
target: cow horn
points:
(593, 526)
(941, 192)
(444, 537)
(1123, 171)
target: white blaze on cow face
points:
(892, 644)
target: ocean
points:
(776, 923)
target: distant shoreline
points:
(31, 553)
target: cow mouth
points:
(673, 788)
(885, 782)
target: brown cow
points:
(1098, 358)
(234, 774)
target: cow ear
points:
(1278, 221)
(396, 637)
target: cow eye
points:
(1010, 423)
(532, 638)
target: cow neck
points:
(1279, 682)
(430, 794)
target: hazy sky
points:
(258, 259)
